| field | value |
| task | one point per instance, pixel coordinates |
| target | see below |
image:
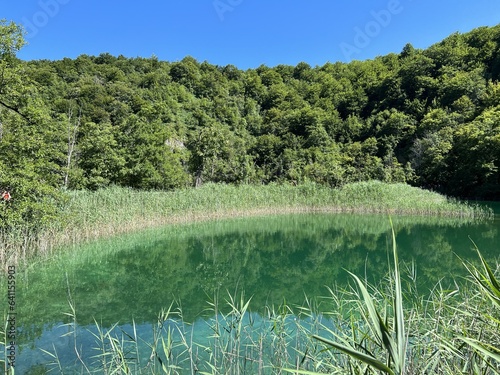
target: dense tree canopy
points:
(427, 117)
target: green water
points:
(272, 259)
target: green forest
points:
(426, 117)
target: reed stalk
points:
(88, 215)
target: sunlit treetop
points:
(11, 39)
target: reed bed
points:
(121, 205)
(89, 215)
(386, 328)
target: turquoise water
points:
(129, 280)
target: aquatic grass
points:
(487, 347)
(229, 333)
(436, 330)
(283, 344)
(455, 320)
(486, 279)
(398, 198)
(389, 337)
(121, 204)
(115, 210)
(372, 330)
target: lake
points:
(278, 262)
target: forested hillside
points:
(430, 118)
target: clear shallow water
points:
(132, 278)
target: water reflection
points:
(272, 259)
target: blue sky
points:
(245, 33)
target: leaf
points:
(485, 349)
(487, 281)
(303, 372)
(400, 359)
(368, 359)
(378, 326)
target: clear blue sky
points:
(245, 33)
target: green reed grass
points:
(114, 210)
(364, 329)
(486, 346)
(126, 206)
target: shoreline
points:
(152, 222)
(81, 236)
(116, 211)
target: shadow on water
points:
(271, 259)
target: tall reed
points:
(359, 330)
(89, 215)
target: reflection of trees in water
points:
(272, 259)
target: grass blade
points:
(400, 358)
(368, 359)
(485, 349)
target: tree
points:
(186, 72)
(153, 154)
(417, 75)
(98, 120)
(393, 129)
(458, 83)
(429, 157)
(11, 41)
(475, 157)
(267, 155)
(99, 158)
(31, 143)
(217, 155)
(325, 166)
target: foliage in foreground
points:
(436, 329)
(388, 329)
